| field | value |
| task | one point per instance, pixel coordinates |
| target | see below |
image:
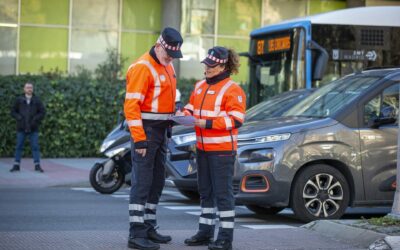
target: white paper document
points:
(184, 120)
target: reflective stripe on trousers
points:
(148, 177)
(215, 174)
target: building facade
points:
(45, 35)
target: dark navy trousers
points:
(148, 178)
(214, 176)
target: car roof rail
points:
(381, 67)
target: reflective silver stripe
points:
(237, 114)
(221, 94)
(149, 216)
(219, 139)
(230, 213)
(137, 207)
(134, 123)
(207, 210)
(198, 85)
(228, 122)
(189, 106)
(227, 224)
(209, 113)
(136, 219)
(134, 95)
(206, 221)
(151, 116)
(150, 206)
(157, 84)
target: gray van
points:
(334, 149)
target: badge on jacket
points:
(211, 92)
(162, 78)
(199, 91)
(240, 99)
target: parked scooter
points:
(108, 176)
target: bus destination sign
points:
(270, 45)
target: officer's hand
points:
(179, 113)
(201, 123)
(141, 151)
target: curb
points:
(393, 242)
(345, 233)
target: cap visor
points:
(174, 53)
(209, 62)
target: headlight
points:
(263, 139)
(180, 139)
(113, 152)
(105, 145)
(259, 155)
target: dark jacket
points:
(28, 116)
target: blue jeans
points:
(34, 140)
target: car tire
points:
(105, 186)
(192, 195)
(261, 210)
(328, 200)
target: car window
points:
(329, 99)
(371, 109)
(276, 106)
(385, 105)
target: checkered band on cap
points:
(167, 46)
(217, 60)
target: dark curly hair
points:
(232, 66)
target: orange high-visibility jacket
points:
(223, 105)
(150, 95)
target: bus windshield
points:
(276, 63)
(329, 99)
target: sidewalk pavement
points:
(326, 234)
(57, 172)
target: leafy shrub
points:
(79, 113)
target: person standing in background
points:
(28, 111)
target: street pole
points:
(395, 213)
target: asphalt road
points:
(81, 210)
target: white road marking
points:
(268, 226)
(120, 195)
(183, 207)
(91, 190)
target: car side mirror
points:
(376, 123)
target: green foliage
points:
(384, 221)
(111, 69)
(186, 87)
(80, 112)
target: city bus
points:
(310, 51)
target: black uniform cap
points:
(171, 40)
(216, 55)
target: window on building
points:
(8, 36)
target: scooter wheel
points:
(105, 185)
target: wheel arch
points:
(338, 165)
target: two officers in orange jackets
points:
(218, 104)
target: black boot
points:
(220, 245)
(38, 168)
(15, 168)
(158, 238)
(142, 244)
(199, 239)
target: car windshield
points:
(276, 106)
(327, 100)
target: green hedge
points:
(80, 111)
